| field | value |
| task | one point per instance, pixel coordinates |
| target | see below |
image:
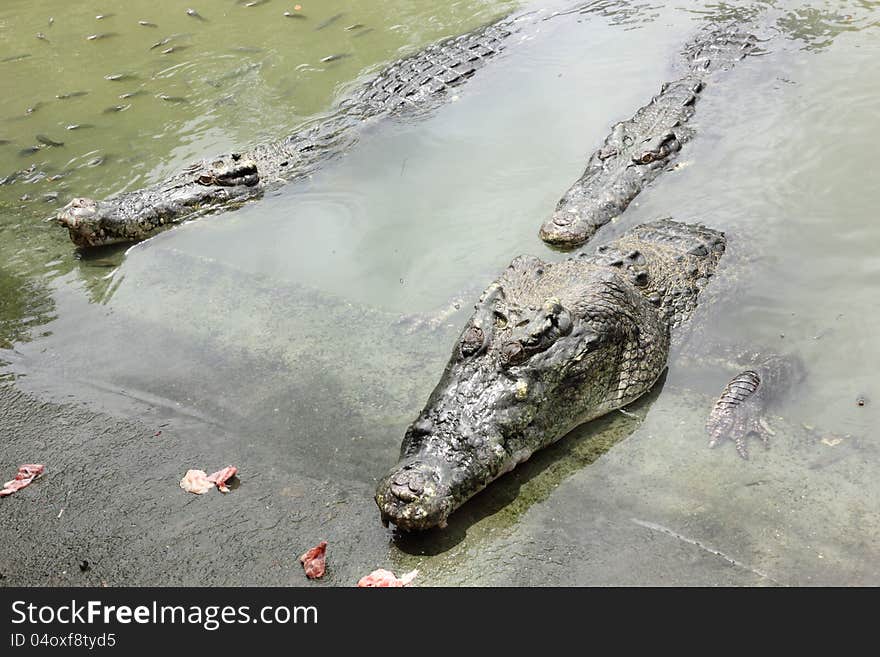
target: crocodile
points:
(639, 149)
(633, 155)
(415, 83)
(549, 347)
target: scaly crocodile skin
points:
(549, 346)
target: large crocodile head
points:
(200, 188)
(549, 346)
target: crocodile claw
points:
(739, 412)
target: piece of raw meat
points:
(199, 482)
(25, 475)
(385, 578)
(222, 476)
(196, 481)
(315, 561)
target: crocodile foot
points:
(739, 412)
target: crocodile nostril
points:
(403, 493)
(409, 484)
(563, 218)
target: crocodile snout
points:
(414, 497)
(79, 211)
(82, 219)
(568, 228)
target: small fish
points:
(116, 77)
(237, 73)
(172, 49)
(172, 99)
(30, 150)
(78, 126)
(48, 141)
(329, 21)
(101, 17)
(72, 94)
(147, 24)
(3, 142)
(168, 39)
(33, 108)
(56, 177)
(42, 37)
(15, 58)
(132, 94)
(49, 197)
(362, 33)
(356, 26)
(247, 49)
(51, 20)
(101, 35)
(194, 14)
(294, 14)
(255, 3)
(333, 58)
(116, 108)
(96, 161)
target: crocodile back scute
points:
(432, 71)
(669, 261)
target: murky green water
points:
(273, 331)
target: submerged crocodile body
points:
(417, 82)
(639, 149)
(549, 347)
(633, 155)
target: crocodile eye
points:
(206, 180)
(500, 319)
(513, 353)
(471, 341)
(646, 158)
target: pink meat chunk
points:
(196, 481)
(385, 578)
(315, 561)
(25, 475)
(199, 482)
(222, 476)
